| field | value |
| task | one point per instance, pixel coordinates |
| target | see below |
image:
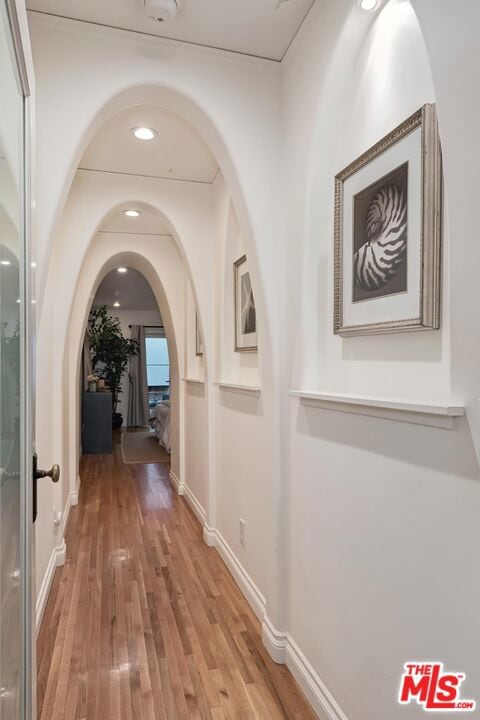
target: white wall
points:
(196, 412)
(243, 450)
(453, 51)
(196, 446)
(381, 514)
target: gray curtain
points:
(138, 389)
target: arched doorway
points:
(98, 263)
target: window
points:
(158, 365)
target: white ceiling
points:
(264, 28)
(130, 289)
(177, 152)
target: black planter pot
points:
(117, 421)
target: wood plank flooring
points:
(144, 621)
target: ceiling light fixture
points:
(368, 5)
(132, 213)
(122, 270)
(116, 304)
(5, 262)
(162, 10)
(144, 133)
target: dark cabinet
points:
(97, 423)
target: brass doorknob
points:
(54, 473)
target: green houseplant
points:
(110, 353)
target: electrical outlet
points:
(242, 532)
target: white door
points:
(16, 381)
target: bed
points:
(160, 421)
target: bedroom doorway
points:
(126, 371)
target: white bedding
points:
(160, 420)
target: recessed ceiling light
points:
(5, 262)
(116, 304)
(132, 213)
(144, 133)
(33, 264)
(368, 5)
(122, 270)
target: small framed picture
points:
(246, 338)
(198, 337)
(388, 215)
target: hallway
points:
(144, 620)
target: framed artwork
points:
(246, 339)
(198, 337)
(388, 216)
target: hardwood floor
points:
(144, 621)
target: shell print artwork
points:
(380, 232)
(377, 261)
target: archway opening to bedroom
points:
(136, 301)
(125, 372)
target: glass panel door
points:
(13, 478)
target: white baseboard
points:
(195, 505)
(284, 650)
(251, 592)
(274, 641)
(208, 535)
(76, 492)
(57, 559)
(71, 501)
(177, 484)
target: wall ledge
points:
(236, 387)
(194, 381)
(416, 412)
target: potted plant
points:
(110, 352)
